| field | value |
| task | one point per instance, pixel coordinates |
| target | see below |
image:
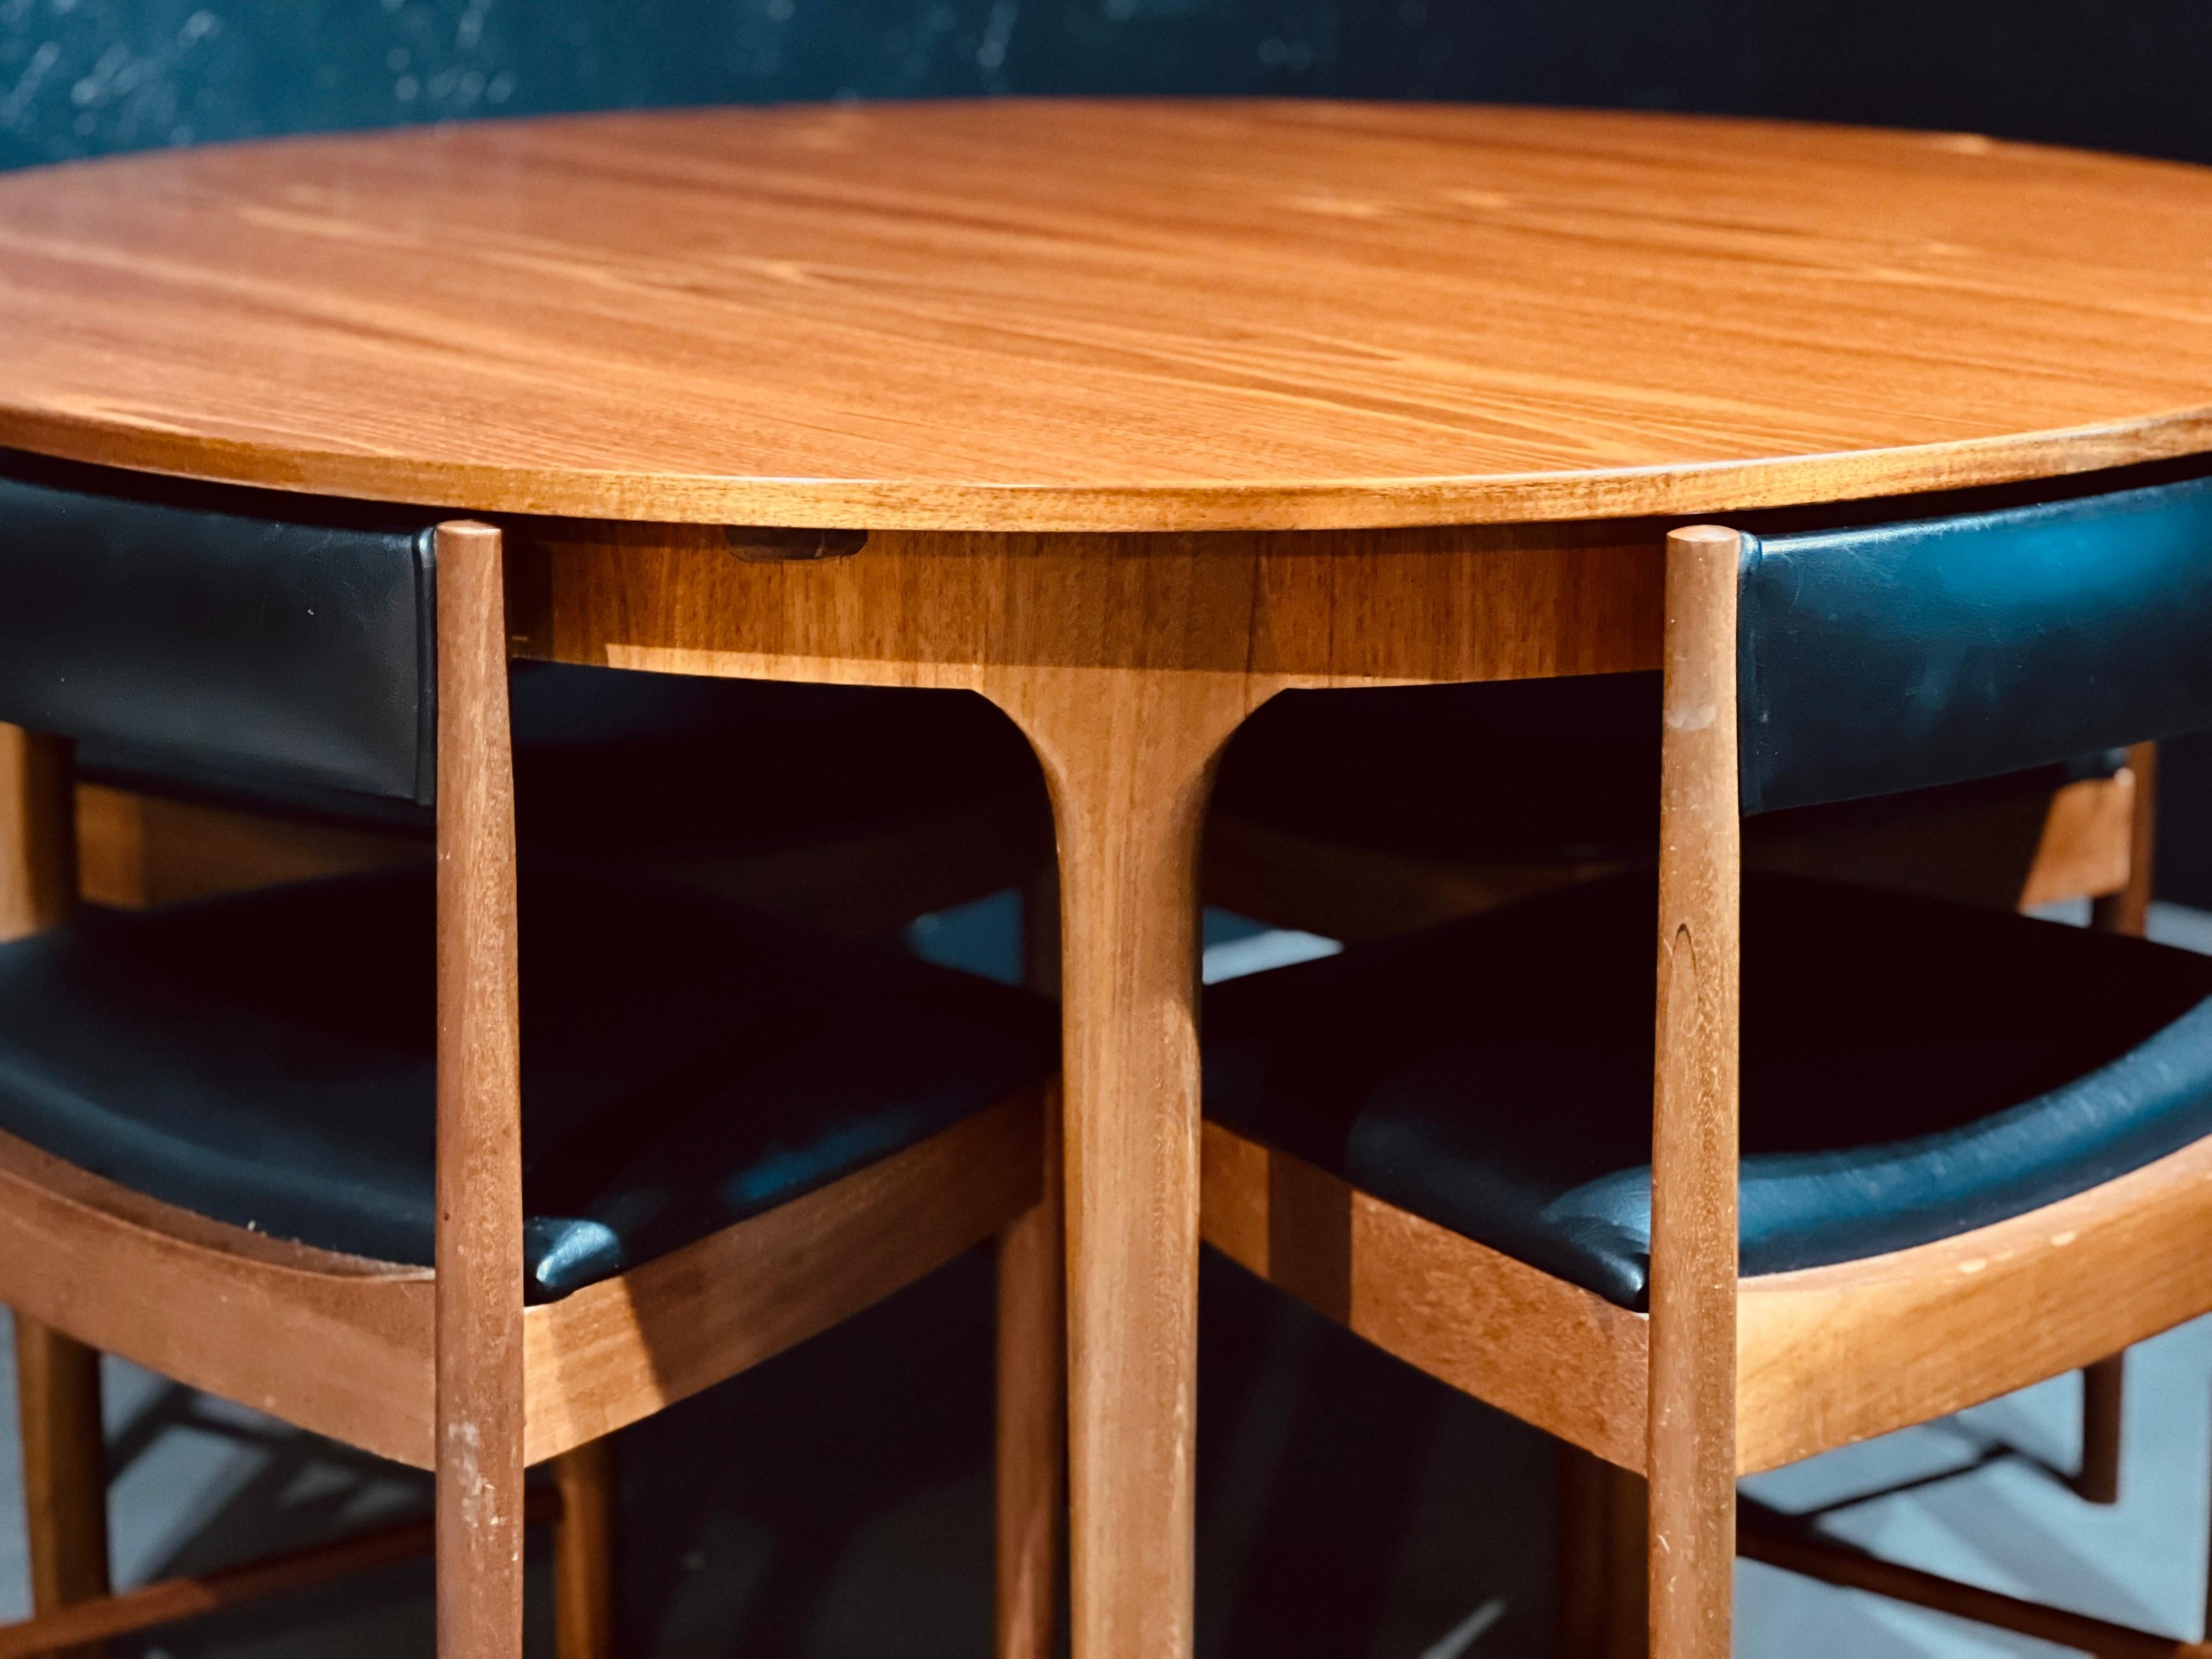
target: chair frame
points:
(2095, 843)
(1729, 1376)
(446, 1368)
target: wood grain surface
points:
(1691, 1460)
(987, 611)
(614, 1352)
(1550, 1352)
(482, 1387)
(343, 1346)
(38, 840)
(1129, 757)
(64, 1473)
(1838, 1354)
(1020, 315)
(584, 1551)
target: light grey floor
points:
(834, 1503)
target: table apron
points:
(937, 608)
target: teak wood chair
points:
(1342, 814)
(297, 1147)
(850, 806)
(1973, 1152)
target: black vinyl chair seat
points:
(607, 758)
(266, 1060)
(1513, 771)
(1911, 1069)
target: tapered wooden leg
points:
(2102, 1385)
(2127, 911)
(1579, 1577)
(1032, 1415)
(1032, 1463)
(479, 1184)
(64, 1469)
(1604, 1604)
(1129, 756)
(1627, 1573)
(57, 1378)
(38, 832)
(583, 1552)
(1692, 1453)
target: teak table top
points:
(1110, 315)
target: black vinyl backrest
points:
(1877, 660)
(239, 632)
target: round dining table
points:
(1126, 414)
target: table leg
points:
(1129, 756)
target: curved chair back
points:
(1875, 659)
(242, 632)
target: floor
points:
(834, 1503)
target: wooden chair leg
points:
(583, 1552)
(1603, 1582)
(64, 1469)
(2102, 1383)
(1580, 1574)
(1692, 1447)
(478, 1291)
(2127, 911)
(1032, 1371)
(1628, 1575)
(1032, 1417)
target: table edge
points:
(1666, 491)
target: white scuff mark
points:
(26, 84)
(1462, 1635)
(479, 1500)
(1691, 717)
(94, 86)
(997, 33)
(470, 29)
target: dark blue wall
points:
(85, 76)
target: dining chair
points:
(1333, 816)
(858, 807)
(297, 1147)
(1855, 1158)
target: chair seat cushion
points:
(1911, 1069)
(267, 1060)
(606, 757)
